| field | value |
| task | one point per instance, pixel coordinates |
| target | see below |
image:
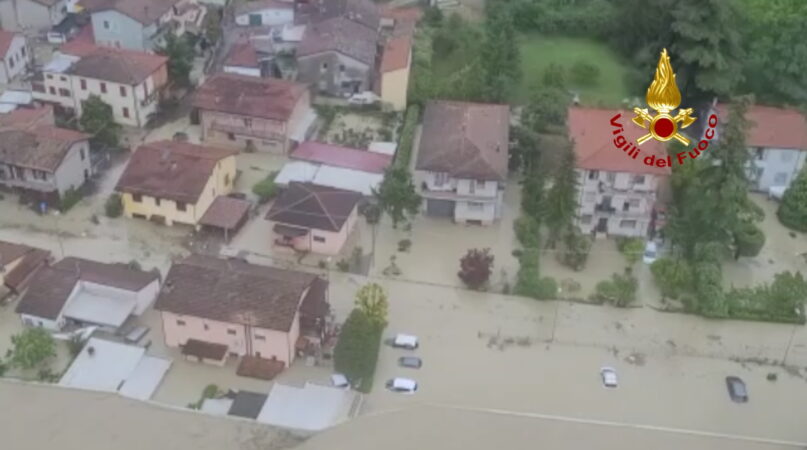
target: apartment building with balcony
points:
(130, 82)
(461, 163)
(617, 194)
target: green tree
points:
(180, 58)
(620, 290)
(31, 349)
(500, 53)
(397, 195)
(532, 195)
(672, 276)
(792, 211)
(97, 119)
(632, 249)
(113, 206)
(585, 74)
(372, 301)
(476, 267)
(266, 189)
(356, 352)
(561, 199)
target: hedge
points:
(404, 153)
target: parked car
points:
(406, 341)
(412, 362)
(609, 378)
(650, 252)
(340, 381)
(776, 192)
(737, 390)
(402, 385)
(363, 98)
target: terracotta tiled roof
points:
(407, 14)
(772, 127)
(466, 140)
(41, 147)
(225, 213)
(234, 291)
(242, 54)
(144, 11)
(243, 95)
(396, 54)
(168, 169)
(312, 206)
(340, 35)
(593, 140)
(6, 37)
(116, 65)
(334, 155)
(24, 117)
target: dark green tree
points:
(97, 119)
(397, 195)
(499, 53)
(561, 199)
(792, 211)
(180, 58)
(31, 349)
(356, 352)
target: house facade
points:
(263, 114)
(265, 13)
(130, 82)
(23, 15)
(15, 56)
(253, 310)
(175, 182)
(617, 194)
(777, 142)
(461, 165)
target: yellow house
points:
(395, 65)
(175, 182)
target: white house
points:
(777, 140)
(84, 292)
(15, 55)
(617, 193)
(461, 165)
(24, 15)
(267, 13)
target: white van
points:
(402, 385)
(406, 341)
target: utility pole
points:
(789, 343)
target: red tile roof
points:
(410, 13)
(396, 54)
(144, 11)
(81, 43)
(312, 206)
(772, 127)
(41, 147)
(334, 155)
(116, 65)
(242, 54)
(226, 213)
(268, 98)
(24, 117)
(168, 169)
(592, 136)
(6, 37)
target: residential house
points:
(364, 12)
(80, 292)
(170, 181)
(311, 218)
(267, 13)
(243, 60)
(18, 264)
(264, 114)
(24, 15)
(777, 140)
(39, 160)
(14, 55)
(142, 25)
(617, 194)
(245, 309)
(130, 82)
(461, 164)
(396, 62)
(338, 56)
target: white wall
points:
(248, 71)
(16, 59)
(146, 297)
(50, 325)
(72, 171)
(777, 167)
(638, 191)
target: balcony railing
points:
(604, 208)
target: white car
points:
(650, 253)
(402, 385)
(340, 381)
(776, 192)
(609, 378)
(363, 98)
(406, 341)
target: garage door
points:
(440, 208)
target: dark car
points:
(412, 362)
(737, 390)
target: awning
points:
(204, 350)
(288, 231)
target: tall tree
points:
(792, 211)
(397, 195)
(31, 348)
(372, 301)
(180, 58)
(561, 199)
(499, 53)
(97, 119)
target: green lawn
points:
(538, 52)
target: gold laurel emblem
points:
(663, 96)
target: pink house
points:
(214, 308)
(312, 218)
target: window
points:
(106, 25)
(590, 196)
(786, 156)
(440, 178)
(260, 338)
(230, 331)
(341, 67)
(181, 206)
(52, 90)
(319, 239)
(180, 323)
(627, 224)
(103, 88)
(480, 184)
(137, 198)
(125, 112)
(760, 154)
(586, 219)
(475, 206)
(22, 51)
(610, 176)
(780, 179)
(123, 91)
(258, 354)
(83, 84)
(81, 152)
(593, 174)
(11, 62)
(50, 77)
(638, 179)
(324, 66)
(231, 136)
(248, 123)
(40, 175)
(635, 202)
(206, 327)
(157, 201)
(63, 78)
(64, 92)
(227, 179)
(472, 187)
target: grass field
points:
(538, 52)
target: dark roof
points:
(18, 278)
(234, 291)
(312, 206)
(10, 252)
(338, 156)
(116, 65)
(204, 349)
(51, 286)
(168, 169)
(225, 213)
(247, 404)
(144, 11)
(315, 303)
(41, 147)
(6, 37)
(364, 12)
(259, 5)
(261, 368)
(466, 140)
(340, 35)
(267, 98)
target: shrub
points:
(404, 245)
(792, 211)
(266, 189)
(574, 252)
(31, 348)
(371, 212)
(527, 231)
(585, 74)
(527, 278)
(70, 199)
(547, 289)
(356, 352)
(113, 206)
(631, 248)
(672, 276)
(620, 290)
(555, 76)
(475, 268)
(404, 153)
(343, 265)
(749, 240)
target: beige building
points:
(175, 182)
(129, 81)
(245, 112)
(394, 72)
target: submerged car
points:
(340, 381)
(650, 252)
(406, 341)
(402, 385)
(609, 378)
(737, 390)
(412, 362)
